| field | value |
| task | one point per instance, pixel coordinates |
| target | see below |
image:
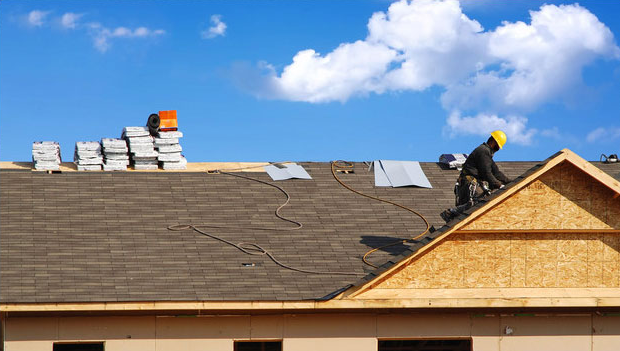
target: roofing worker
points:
(479, 176)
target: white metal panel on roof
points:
(290, 170)
(381, 178)
(400, 173)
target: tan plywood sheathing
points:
(515, 260)
(563, 198)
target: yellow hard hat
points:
(500, 138)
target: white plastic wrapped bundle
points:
(170, 157)
(87, 156)
(167, 144)
(142, 154)
(46, 155)
(115, 154)
(134, 132)
(182, 164)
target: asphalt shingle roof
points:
(101, 236)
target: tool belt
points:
(469, 189)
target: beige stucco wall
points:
(303, 332)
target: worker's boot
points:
(449, 214)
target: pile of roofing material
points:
(142, 154)
(453, 161)
(115, 154)
(88, 156)
(46, 155)
(169, 149)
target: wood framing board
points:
(434, 299)
(489, 293)
(191, 167)
(565, 197)
(549, 164)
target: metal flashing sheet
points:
(381, 178)
(400, 173)
(290, 170)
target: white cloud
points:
(436, 42)
(603, 134)
(102, 36)
(411, 47)
(496, 75)
(482, 124)
(36, 18)
(69, 20)
(351, 68)
(538, 62)
(217, 28)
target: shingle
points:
(103, 236)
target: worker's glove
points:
(502, 186)
(485, 188)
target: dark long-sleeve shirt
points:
(480, 165)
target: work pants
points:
(469, 192)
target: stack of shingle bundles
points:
(169, 149)
(115, 157)
(142, 153)
(46, 155)
(88, 156)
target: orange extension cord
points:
(344, 165)
(253, 248)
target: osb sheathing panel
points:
(517, 260)
(562, 198)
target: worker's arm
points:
(486, 168)
(498, 174)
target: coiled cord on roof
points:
(252, 248)
(298, 225)
(344, 165)
(257, 250)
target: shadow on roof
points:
(374, 242)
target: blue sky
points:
(407, 80)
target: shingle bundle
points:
(142, 153)
(87, 156)
(453, 160)
(46, 155)
(169, 149)
(115, 154)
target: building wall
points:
(302, 332)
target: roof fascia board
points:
(428, 303)
(593, 171)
